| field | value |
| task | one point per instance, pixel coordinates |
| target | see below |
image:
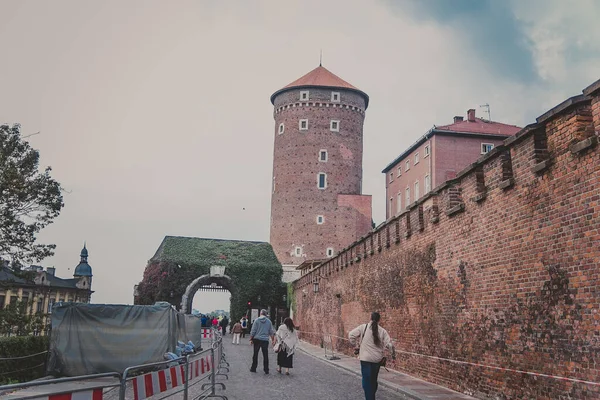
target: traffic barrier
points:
(148, 385)
(208, 333)
(328, 343)
(45, 390)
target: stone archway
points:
(205, 280)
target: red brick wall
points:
(503, 269)
(296, 200)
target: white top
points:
(368, 350)
(288, 339)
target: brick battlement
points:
(290, 106)
(499, 266)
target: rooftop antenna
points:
(487, 110)
(321, 58)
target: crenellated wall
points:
(498, 267)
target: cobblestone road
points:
(310, 379)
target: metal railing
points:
(163, 378)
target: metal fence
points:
(154, 380)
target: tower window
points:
(426, 151)
(407, 165)
(281, 128)
(417, 194)
(407, 197)
(416, 158)
(486, 147)
(322, 180)
(427, 184)
(320, 219)
(335, 97)
(329, 252)
(303, 125)
(304, 95)
(323, 156)
(391, 177)
(400, 171)
(298, 251)
(334, 126)
(399, 203)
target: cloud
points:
(489, 29)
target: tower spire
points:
(321, 58)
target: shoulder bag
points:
(357, 350)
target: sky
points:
(155, 116)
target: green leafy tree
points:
(29, 199)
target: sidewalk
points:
(409, 386)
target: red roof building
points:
(438, 156)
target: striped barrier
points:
(200, 366)
(153, 383)
(95, 394)
(207, 333)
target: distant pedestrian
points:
(262, 330)
(287, 340)
(237, 331)
(244, 322)
(215, 323)
(373, 341)
(203, 321)
(224, 322)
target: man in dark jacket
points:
(262, 330)
(223, 324)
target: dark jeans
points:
(264, 346)
(370, 372)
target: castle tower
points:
(316, 204)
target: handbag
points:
(277, 347)
(383, 362)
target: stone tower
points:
(316, 204)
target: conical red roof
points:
(320, 77)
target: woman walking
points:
(373, 341)
(287, 340)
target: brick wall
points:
(501, 269)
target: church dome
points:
(83, 268)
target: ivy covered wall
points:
(253, 268)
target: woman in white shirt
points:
(374, 340)
(287, 340)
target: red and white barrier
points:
(148, 385)
(95, 394)
(201, 366)
(207, 333)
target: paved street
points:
(310, 379)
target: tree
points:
(29, 199)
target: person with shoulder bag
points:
(370, 350)
(287, 340)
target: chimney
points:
(458, 118)
(471, 115)
(50, 270)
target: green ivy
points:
(252, 266)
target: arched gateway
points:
(182, 265)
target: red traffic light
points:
(249, 303)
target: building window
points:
(427, 184)
(281, 128)
(426, 151)
(407, 165)
(391, 206)
(334, 126)
(486, 147)
(298, 251)
(416, 190)
(329, 252)
(320, 219)
(399, 171)
(416, 158)
(407, 197)
(40, 306)
(399, 203)
(323, 155)
(2, 299)
(335, 97)
(303, 125)
(322, 180)
(391, 177)
(50, 304)
(304, 95)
